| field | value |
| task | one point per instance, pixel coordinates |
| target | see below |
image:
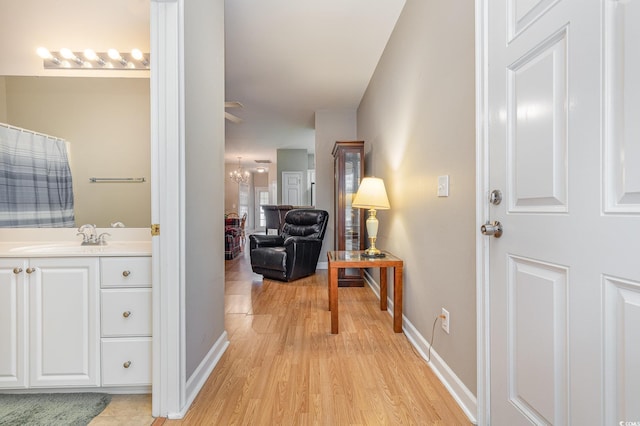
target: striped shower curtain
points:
(35, 180)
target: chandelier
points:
(239, 175)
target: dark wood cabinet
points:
(348, 163)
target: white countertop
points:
(74, 249)
(65, 243)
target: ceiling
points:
(285, 59)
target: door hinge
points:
(155, 229)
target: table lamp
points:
(373, 196)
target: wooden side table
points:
(354, 259)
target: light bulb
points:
(137, 54)
(90, 54)
(44, 53)
(67, 53)
(114, 54)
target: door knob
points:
(492, 228)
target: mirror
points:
(106, 124)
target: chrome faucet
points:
(90, 236)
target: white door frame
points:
(167, 206)
(483, 415)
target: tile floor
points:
(126, 410)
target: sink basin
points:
(63, 247)
(73, 248)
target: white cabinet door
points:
(13, 305)
(64, 322)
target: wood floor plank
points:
(283, 366)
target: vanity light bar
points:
(89, 59)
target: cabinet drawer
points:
(126, 312)
(125, 271)
(126, 361)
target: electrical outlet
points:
(445, 320)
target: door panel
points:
(622, 126)
(64, 322)
(523, 13)
(622, 349)
(537, 144)
(537, 333)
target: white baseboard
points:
(460, 393)
(323, 265)
(201, 374)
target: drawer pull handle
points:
(127, 364)
(30, 270)
(126, 273)
(126, 314)
(17, 270)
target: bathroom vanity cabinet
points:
(49, 322)
(126, 320)
(75, 322)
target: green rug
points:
(51, 409)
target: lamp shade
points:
(371, 195)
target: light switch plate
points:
(443, 186)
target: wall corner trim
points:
(201, 374)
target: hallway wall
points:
(418, 120)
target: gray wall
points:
(418, 120)
(204, 164)
(331, 126)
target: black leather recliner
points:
(294, 253)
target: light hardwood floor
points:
(284, 367)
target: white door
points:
(564, 149)
(243, 199)
(13, 315)
(64, 322)
(292, 188)
(261, 198)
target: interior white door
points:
(564, 150)
(261, 198)
(292, 188)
